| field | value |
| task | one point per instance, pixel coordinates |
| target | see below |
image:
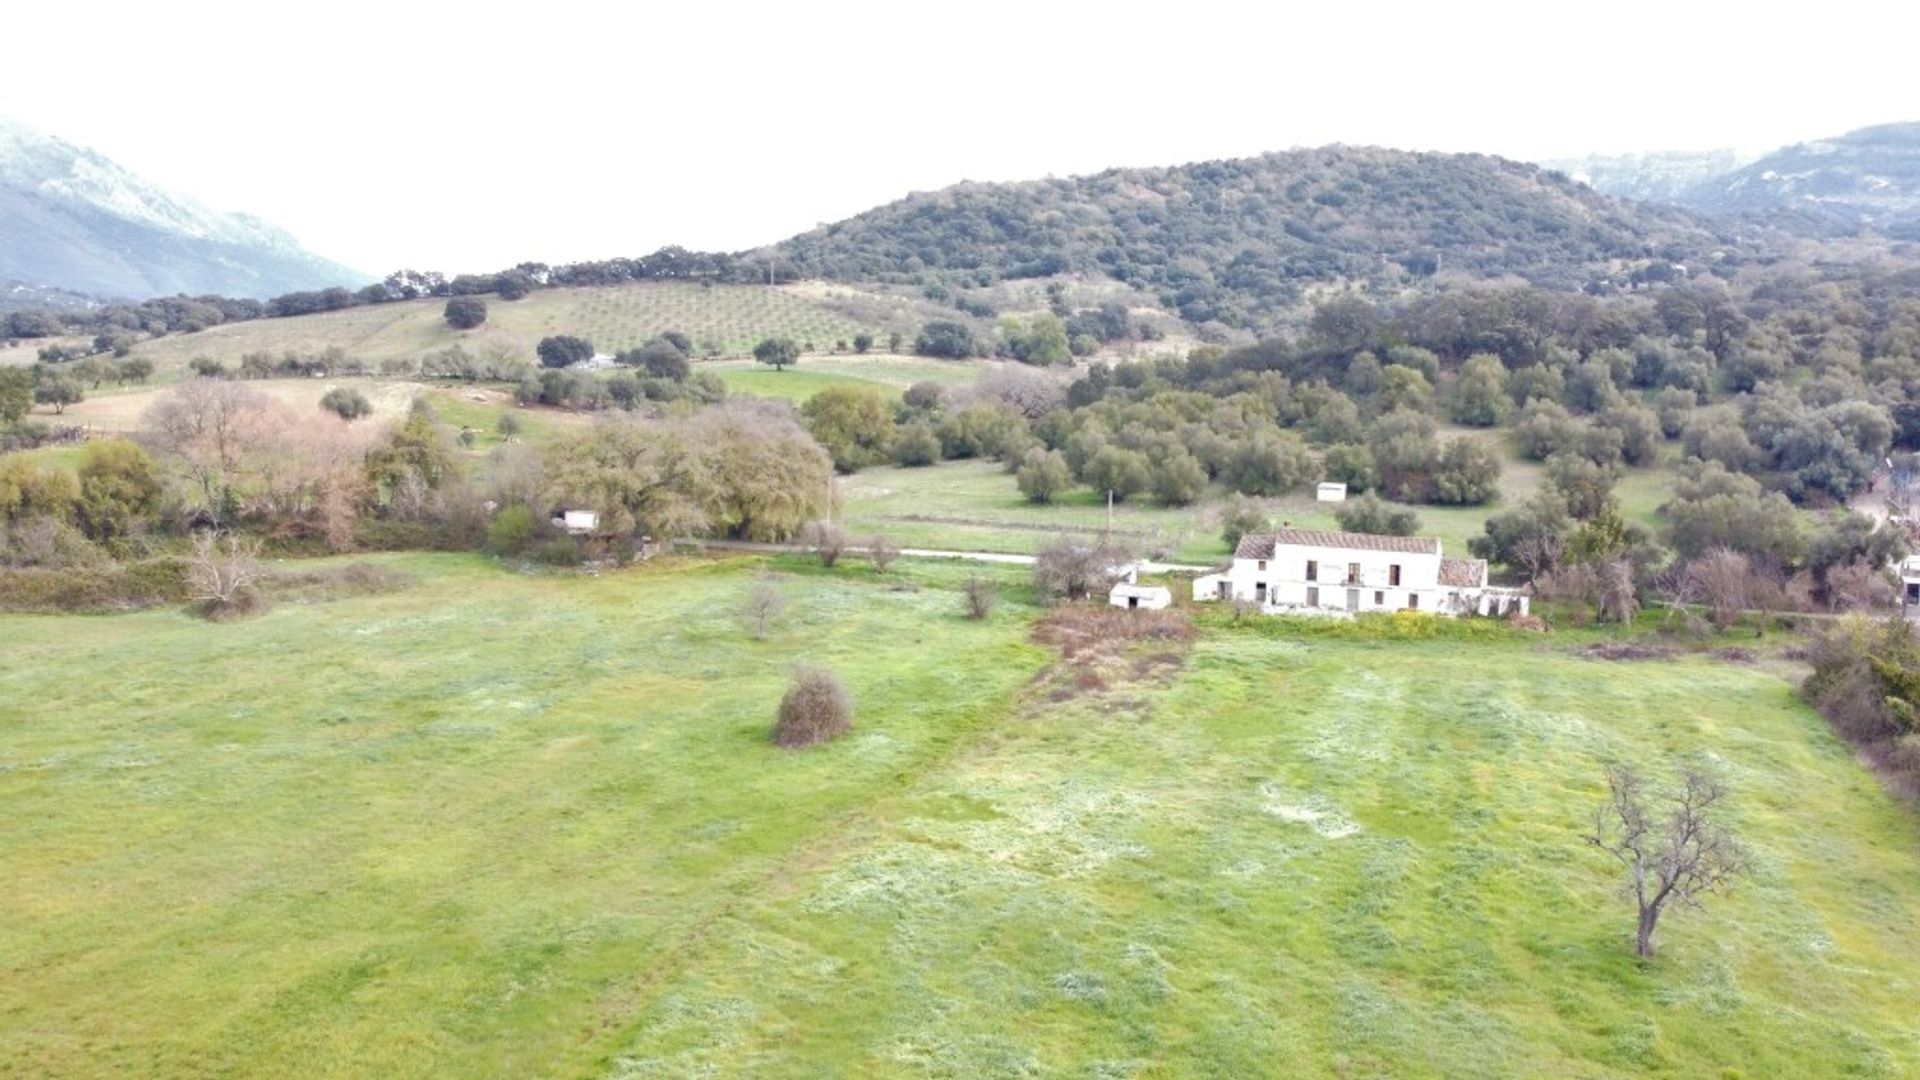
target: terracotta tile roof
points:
(1261, 546)
(1463, 573)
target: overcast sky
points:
(469, 137)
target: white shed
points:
(1330, 491)
(1910, 580)
(577, 522)
(1151, 597)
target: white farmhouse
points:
(1312, 571)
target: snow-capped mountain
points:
(71, 219)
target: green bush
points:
(511, 531)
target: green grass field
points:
(727, 319)
(510, 825)
(976, 504)
(889, 374)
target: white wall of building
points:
(1350, 580)
(1341, 579)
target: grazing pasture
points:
(498, 823)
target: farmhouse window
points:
(1353, 573)
(1413, 601)
(1313, 570)
(1379, 598)
(1313, 596)
(1393, 575)
(1261, 565)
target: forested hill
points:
(1236, 241)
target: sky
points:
(468, 137)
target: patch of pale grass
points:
(1068, 829)
(1310, 810)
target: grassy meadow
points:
(977, 505)
(498, 824)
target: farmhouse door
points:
(1353, 599)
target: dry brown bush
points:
(334, 582)
(1102, 647)
(826, 540)
(1077, 629)
(816, 708)
(979, 595)
(764, 604)
(224, 574)
(882, 551)
(1725, 579)
(1624, 650)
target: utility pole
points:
(1109, 513)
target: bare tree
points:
(827, 541)
(212, 426)
(224, 573)
(883, 551)
(1723, 578)
(980, 595)
(1028, 393)
(1538, 554)
(1677, 591)
(1858, 586)
(764, 605)
(1616, 597)
(1073, 570)
(1678, 860)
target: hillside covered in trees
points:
(1238, 241)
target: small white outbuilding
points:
(1150, 597)
(1331, 491)
(577, 522)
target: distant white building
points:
(577, 522)
(1331, 491)
(1313, 571)
(1910, 582)
(1149, 597)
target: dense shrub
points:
(465, 312)
(945, 338)
(307, 586)
(1368, 514)
(916, 444)
(511, 531)
(96, 587)
(563, 350)
(815, 709)
(1866, 682)
(346, 403)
